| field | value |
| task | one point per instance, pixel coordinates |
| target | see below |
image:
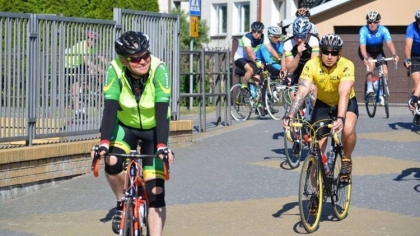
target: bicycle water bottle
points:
(330, 159)
(325, 163)
(253, 90)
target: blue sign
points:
(195, 7)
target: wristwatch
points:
(343, 119)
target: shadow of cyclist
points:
(404, 125)
(407, 172)
(108, 216)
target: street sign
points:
(194, 26)
(195, 7)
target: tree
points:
(97, 9)
(203, 29)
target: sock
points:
(244, 86)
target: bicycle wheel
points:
(310, 194)
(274, 100)
(341, 191)
(293, 148)
(143, 210)
(128, 229)
(241, 108)
(385, 97)
(370, 103)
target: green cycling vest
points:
(131, 114)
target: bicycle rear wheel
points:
(293, 148)
(274, 101)
(241, 108)
(128, 229)
(341, 191)
(310, 194)
(370, 103)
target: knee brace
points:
(156, 200)
(115, 169)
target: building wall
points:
(393, 13)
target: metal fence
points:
(44, 94)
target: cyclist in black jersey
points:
(137, 92)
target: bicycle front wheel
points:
(370, 103)
(293, 148)
(341, 191)
(310, 194)
(128, 229)
(274, 100)
(241, 108)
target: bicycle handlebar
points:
(311, 126)
(382, 60)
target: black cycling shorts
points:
(241, 62)
(415, 63)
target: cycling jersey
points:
(374, 40)
(265, 56)
(140, 115)
(327, 80)
(248, 41)
(74, 55)
(413, 32)
(290, 50)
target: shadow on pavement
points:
(108, 216)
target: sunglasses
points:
(138, 59)
(372, 22)
(300, 36)
(259, 32)
(276, 37)
(327, 52)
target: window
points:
(221, 18)
(243, 23)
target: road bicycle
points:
(416, 111)
(315, 185)
(299, 135)
(380, 88)
(135, 202)
(269, 94)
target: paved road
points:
(230, 181)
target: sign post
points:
(195, 13)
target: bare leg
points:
(157, 217)
(348, 135)
(116, 182)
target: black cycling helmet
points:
(257, 26)
(373, 16)
(331, 42)
(130, 43)
(303, 12)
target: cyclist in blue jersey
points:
(277, 67)
(265, 56)
(371, 37)
(412, 55)
(245, 55)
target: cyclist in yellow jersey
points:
(137, 92)
(333, 75)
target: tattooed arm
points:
(304, 87)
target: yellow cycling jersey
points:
(327, 80)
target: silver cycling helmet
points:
(331, 42)
(417, 14)
(301, 27)
(274, 31)
(373, 16)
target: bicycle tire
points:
(385, 97)
(241, 109)
(341, 191)
(370, 103)
(293, 149)
(274, 101)
(95, 167)
(128, 229)
(310, 197)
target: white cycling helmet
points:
(417, 14)
(301, 27)
(373, 16)
(274, 31)
(331, 41)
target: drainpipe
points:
(259, 7)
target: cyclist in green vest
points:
(137, 92)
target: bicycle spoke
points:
(310, 195)
(241, 108)
(341, 191)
